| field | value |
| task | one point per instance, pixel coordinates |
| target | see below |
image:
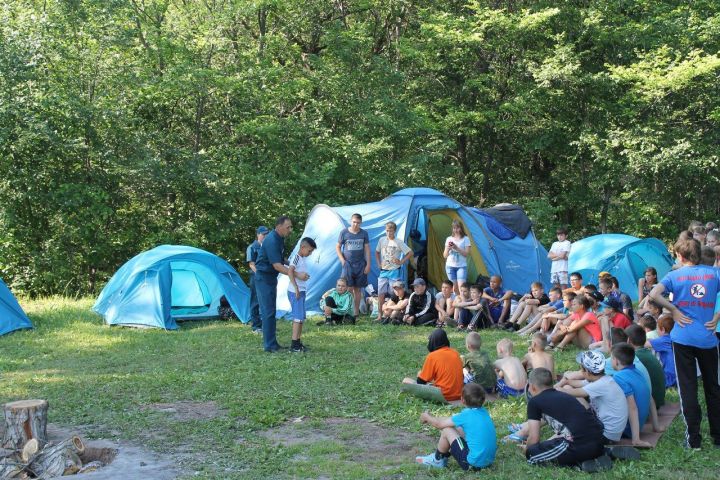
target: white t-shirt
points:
(455, 259)
(609, 404)
(389, 250)
(557, 248)
(299, 265)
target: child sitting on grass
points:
(583, 329)
(337, 304)
(444, 301)
(537, 357)
(467, 304)
(443, 367)
(512, 378)
(663, 347)
(528, 306)
(551, 321)
(469, 436)
(611, 317)
(477, 366)
(394, 309)
(556, 303)
(498, 300)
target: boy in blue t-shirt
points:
(695, 289)
(662, 346)
(475, 444)
(498, 300)
(636, 389)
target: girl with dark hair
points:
(442, 367)
(583, 328)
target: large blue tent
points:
(12, 316)
(496, 248)
(623, 256)
(169, 283)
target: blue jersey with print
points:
(479, 435)
(353, 245)
(695, 290)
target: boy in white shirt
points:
(559, 253)
(297, 271)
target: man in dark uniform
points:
(251, 257)
(268, 264)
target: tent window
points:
(189, 291)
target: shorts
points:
(459, 450)
(354, 274)
(560, 451)
(504, 391)
(561, 278)
(297, 306)
(385, 281)
(456, 273)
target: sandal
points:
(514, 437)
(514, 427)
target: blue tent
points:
(496, 249)
(624, 256)
(12, 316)
(169, 283)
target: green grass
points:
(104, 378)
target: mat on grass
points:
(666, 414)
(434, 394)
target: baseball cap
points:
(398, 284)
(419, 281)
(262, 230)
(592, 361)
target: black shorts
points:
(354, 274)
(562, 452)
(459, 450)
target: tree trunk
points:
(25, 420)
(57, 460)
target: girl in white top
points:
(457, 248)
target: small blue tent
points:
(12, 316)
(169, 283)
(496, 249)
(624, 256)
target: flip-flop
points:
(514, 427)
(514, 437)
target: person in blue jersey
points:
(250, 257)
(353, 251)
(694, 291)
(270, 262)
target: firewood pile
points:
(26, 451)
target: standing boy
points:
(695, 289)
(251, 257)
(267, 266)
(469, 436)
(353, 250)
(559, 253)
(297, 271)
(391, 254)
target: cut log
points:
(25, 420)
(57, 460)
(10, 469)
(30, 449)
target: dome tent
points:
(428, 214)
(12, 316)
(169, 283)
(623, 256)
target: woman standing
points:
(457, 248)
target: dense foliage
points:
(129, 123)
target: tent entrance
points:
(190, 293)
(438, 227)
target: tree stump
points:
(57, 460)
(25, 420)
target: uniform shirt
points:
(479, 434)
(609, 404)
(695, 290)
(566, 417)
(353, 245)
(271, 251)
(443, 368)
(251, 253)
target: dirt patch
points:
(358, 440)
(185, 411)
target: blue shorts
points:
(504, 391)
(354, 274)
(386, 279)
(456, 273)
(297, 306)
